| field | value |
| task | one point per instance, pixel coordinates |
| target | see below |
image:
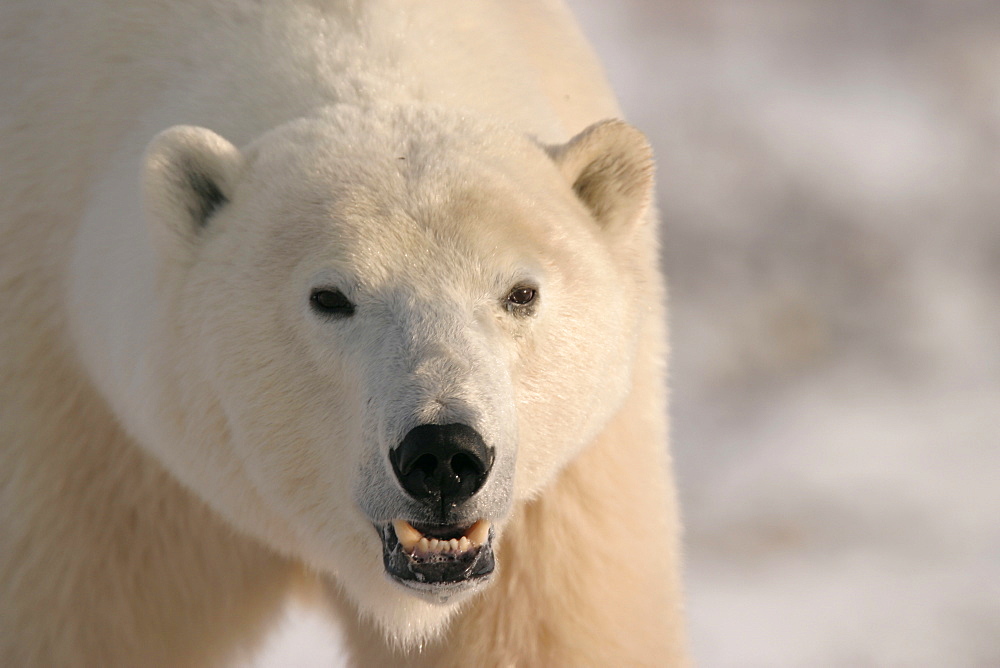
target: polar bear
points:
(356, 299)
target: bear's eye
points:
(331, 302)
(521, 296)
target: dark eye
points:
(521, 296)
(331, 302)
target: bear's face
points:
(399, 324)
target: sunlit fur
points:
(184, 438)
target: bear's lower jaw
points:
(434, 568)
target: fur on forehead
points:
(407, 173)
(409, 140)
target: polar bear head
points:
(383, 328)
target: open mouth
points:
(438, 558)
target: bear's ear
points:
(189, 174)
(610, 167)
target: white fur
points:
(415, 156)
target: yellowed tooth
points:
(453, 544)
(422, 548)
(407, 535)
(464, 545)
(478, 533)
(434, 545)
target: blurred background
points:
(829, 175)
(829, 179)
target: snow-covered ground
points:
(830, 183)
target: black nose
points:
(442, 464)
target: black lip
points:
(439, 572)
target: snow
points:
(303, 639)
(829, 177)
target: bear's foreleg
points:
(104, 559)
